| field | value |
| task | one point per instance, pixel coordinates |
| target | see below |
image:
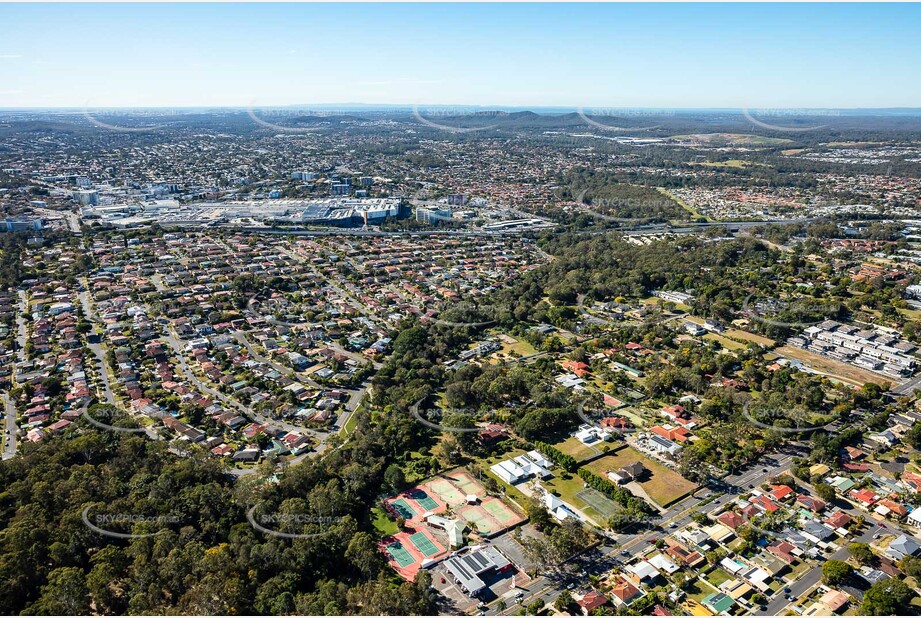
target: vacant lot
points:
(572, 447)
(835, 369)
(661, 484)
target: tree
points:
(825, 491)
(394, 477)
(888, 597)
(537, 513)
(564, 602)
(911, 566)
(65, 594)
(862, 553)
(835, 571)
(363, 553)
(535, 606)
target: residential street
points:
(102, 366)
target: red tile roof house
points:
(616, 423)
(912, 480)
(592, 601)
(731, 520)
(781, 492)
(897, 510)
(813, 504)
(839, 520)
(624, 592)
(782, 550)
(864, 496)
(853, 454)
(765, 503)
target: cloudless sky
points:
(618, 55)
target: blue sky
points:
(593, 55)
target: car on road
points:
(570, 586)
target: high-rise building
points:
(86, 198)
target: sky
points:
(757, 56)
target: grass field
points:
(717, 577)
(735, 333)
(733, 163)
(736, 139)
(662, 485)
(694, 212)
(521, 347)
(572, 447)
(728, 344)
(350, 423)
(842, 371)
(382, 523)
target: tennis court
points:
(402, 507)
(445, 491)
(423, 499)
(604, 506)
(501, 513)
(424, 544)
(466, 483)
(479, 519)
(399, 553)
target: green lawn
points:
(717, 577)
(572, 447)
(382, 522)
(350, 424)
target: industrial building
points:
(467, 570)
(871, 348)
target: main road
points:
(9, 427)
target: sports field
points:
(466, 483)
(500, 512)
(407, 551)
(423, 499)
(424, 544)
(403, 509)
(596, 501)
(446, 492)
(399, 553)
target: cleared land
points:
(836, 369)
(580, 452)
(662, 485)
